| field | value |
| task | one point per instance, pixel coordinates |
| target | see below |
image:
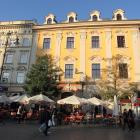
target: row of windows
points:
(23, 59)
(20, 78)
(12, 42)
(95, 42)
(96, 71)
(69, 70)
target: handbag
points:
(42, 127)
(49, 123)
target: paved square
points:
(29, 131)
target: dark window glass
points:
(68, 70)
(70, 42)
(96, 71)
(71, 19)
(49, 21)
(95, 41)
(119, 17)
(46, 43)
(121, 41)
(94, 18)
(123, 71)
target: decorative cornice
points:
(90, 24)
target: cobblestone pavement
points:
(29, 131)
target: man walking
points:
(125, 119)
(44, 118)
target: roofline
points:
(18, 22)
(88, 23)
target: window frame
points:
(71, 19)
(121, 41)
(95, 41)
(96, 72)
(47, 43)
(7, 59)
(8, 79)
(23, 80)
(26, 42)
(23, 54)
(123, 70)
(69, 71)
(70, 42)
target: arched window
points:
(94, 18)
(49, 21)
(26, 42)
(119, 17)
(71, 19)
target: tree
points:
(112, 82)
(43, 77)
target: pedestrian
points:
(125, 119)
(2, 116)
(19, 114)
(44, 118)
(54, 116)
(131, 120)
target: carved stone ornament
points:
(21, 68)
(96, 58)
(70, 59)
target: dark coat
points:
(44, 116)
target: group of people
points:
(128, 119)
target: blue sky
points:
(38, 9)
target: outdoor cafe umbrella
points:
(22, 99)
(95, 101)
(116, 107)
(73, 100)
(40, 98)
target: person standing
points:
(44, 118)
(19, 114)
(125, 119)
(131, 120)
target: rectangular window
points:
(70, 42)
(46, 43)
(95, 42)
(123, 71)
(121, 41)
(68, 70)
(23, 57)
(5, 77)
(20, 77)
(96, 74)
(9, 58)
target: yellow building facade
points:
(84, 48)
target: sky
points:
(38, 9)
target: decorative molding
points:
(120, 12)
(70, 59)
(95, 59)
(7, 67)
(70, 34)
(21, 68)
(95, 32)
(83, 35)
(73, 15)
(95, 13)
